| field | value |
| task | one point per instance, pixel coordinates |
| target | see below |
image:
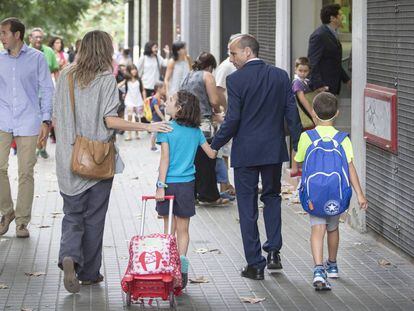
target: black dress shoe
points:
(273, 261)
(253, 273)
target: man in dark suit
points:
(325, 52)
(259, 100)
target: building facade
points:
(380, 35)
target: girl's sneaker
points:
(320, 281)
(332, 270)
(184, 270)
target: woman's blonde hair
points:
(94, 57)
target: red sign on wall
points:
(380, 120)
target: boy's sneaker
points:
(320, 281)
(331, 270)
(184, 270)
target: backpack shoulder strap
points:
(313, 135)
(340, 136)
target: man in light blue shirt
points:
(24, 78)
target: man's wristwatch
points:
(160, 184)
(47, 122)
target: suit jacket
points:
(260, 98)
(325, 55)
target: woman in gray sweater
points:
(85, 201)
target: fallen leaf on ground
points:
(199, 280)
(26, 309)
(34, 273)
(252, 299)
(215, 250)
(301, 213)
(3, 286)
(206, 250)
(384, 262)
(201, 250)
(43, 226)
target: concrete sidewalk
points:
(372, 276)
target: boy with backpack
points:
(325, 191)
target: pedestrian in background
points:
(134, 97)
(56, 43)
(25, 75)
(325, 52)
(150, 66)
(225, 69)
(157, 105)
(260, 99)
(85, 201)
(178, 67)
(201, 82)
(36, 38)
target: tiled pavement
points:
(364, 283)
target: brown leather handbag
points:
(91, 159)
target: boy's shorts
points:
(184, 201)
(331, 222)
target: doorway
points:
(305, 19)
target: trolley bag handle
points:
(146, 198)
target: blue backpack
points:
(325, 187)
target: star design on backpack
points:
(332, 207)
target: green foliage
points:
(56, 17)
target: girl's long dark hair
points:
(128, 76)
(190, 113)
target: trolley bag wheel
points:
(171, 298)
(128, 299)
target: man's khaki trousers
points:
(26, 158)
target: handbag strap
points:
(72, 96)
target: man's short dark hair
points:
(329, 10)
(325, 105)
(249, 41)
(15, 26)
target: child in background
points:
(300, 87)
(325, 110)
(157, 108)
(177, 170)
(134, 99)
